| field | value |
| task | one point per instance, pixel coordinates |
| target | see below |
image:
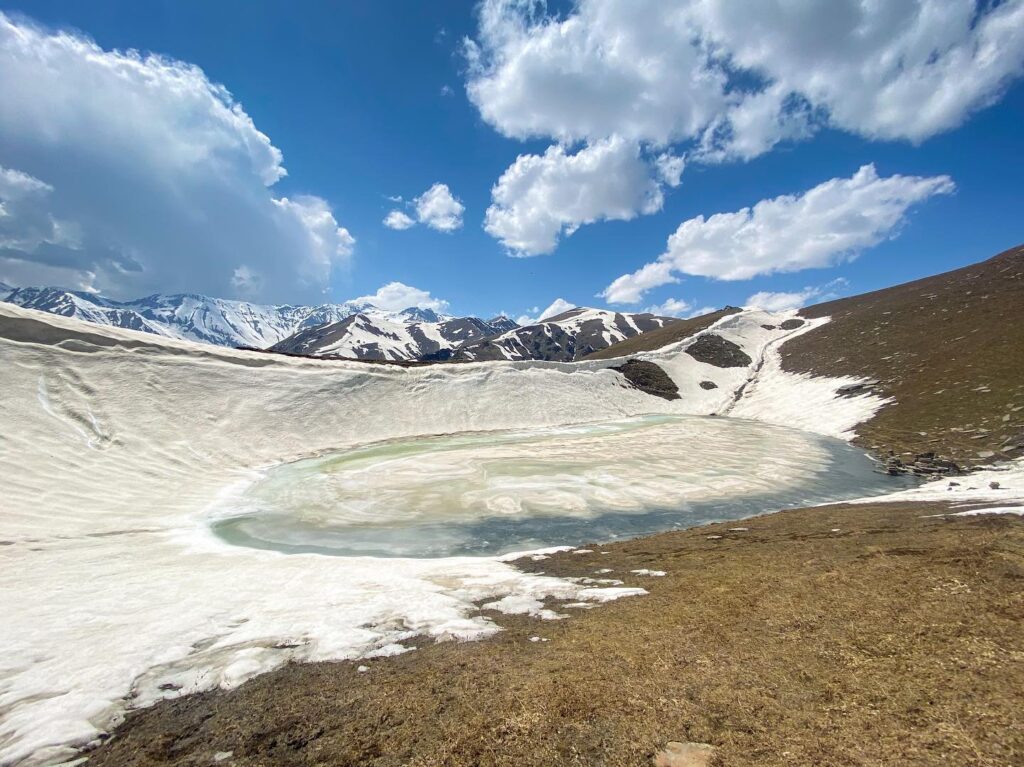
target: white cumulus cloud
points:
(396, 296)
(783, 301)
(672, 307)
(737, 77)
(150, 178)
(670, 168)
(621, 67)
(439, 209)
(556, 307)
(825, 225)
(398, 220)
(540, 198)
(436, 208)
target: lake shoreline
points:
(875, 632)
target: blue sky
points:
(366, 101)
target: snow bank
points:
(800, 400)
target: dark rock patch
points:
(708, 385)
(856, 389)
(717, 351)
(649, 378)
(769, 327)
(792, 324)
(923, 465)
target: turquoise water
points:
(486, 493)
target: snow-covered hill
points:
(375, 335)
(565, 337)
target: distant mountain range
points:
(186, 316)
(375, 335)
(569, 336)
(351, 329)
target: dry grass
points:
(950, 349)
(895, 641)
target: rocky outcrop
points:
(792, 324)
(649, 378)
(924, 464)
(708, 385)
(717, 351)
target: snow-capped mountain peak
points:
(351, 329)
(191, 316)
(385, 336)
(568, 336)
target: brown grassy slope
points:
(949, 349)
(896, 640)
(655, 339)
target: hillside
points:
(566, 337)
(948, 349)
(660, 337)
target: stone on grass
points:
(685, 755)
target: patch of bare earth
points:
(854, 635)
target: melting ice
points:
(494, 492)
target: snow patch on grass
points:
(1001, 485)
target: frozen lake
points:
(178, 517)
(488, 493)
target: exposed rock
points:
(924, 464)
(708, 385)
(769, 327)
(993, 485)
(649, 378)
(685, 755)
(717, 351)
(856, 389)
(792, 324)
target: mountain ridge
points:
(351, 330)
(231, 323)
(565, 337)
